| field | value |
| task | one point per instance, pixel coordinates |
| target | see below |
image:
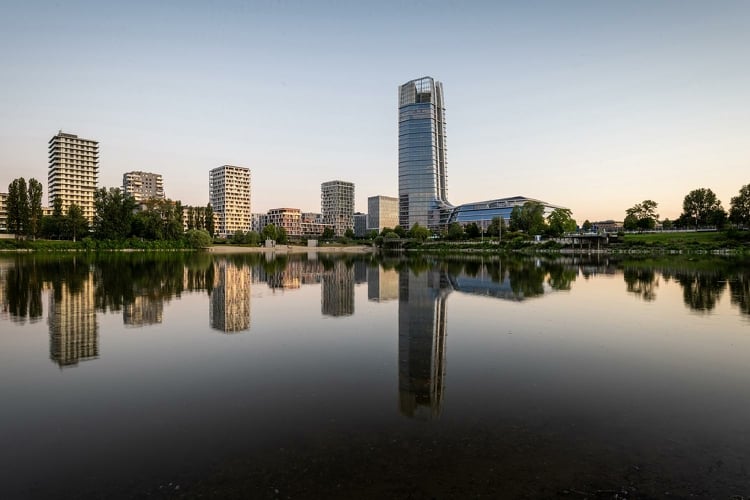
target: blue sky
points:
(591, 105)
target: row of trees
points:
(24, 207)
(700, 208)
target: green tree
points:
(17, 207)
(560, 222)
(472, 230)
(529, 218)
(630, 223)
(252, 237)
(198, 238)
(667, 224)
(75, 223)
(190, 218)
(35, 208)
(418, 232)
(113, 214)
(400, 231)
(269, 232)
(328, 233)
(496, 227)
(586, 226)
(739, 210)
(455, 231)
(349, 233)
(702, 207)
(371, 235)
(208, 222)
(281, 235)
(644, 213)
(52, 225)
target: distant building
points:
(382, 212)
(258, 221)
(607, 226)
(3, 211)
(288, 218)
(73, 172)
(482, 212)
(337, 205)
(143, 185)
(229, 195)
(360, 225)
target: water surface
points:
(313, 376)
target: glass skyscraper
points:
(422, 176)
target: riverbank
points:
(290, 249)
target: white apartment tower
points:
(73, 172)
(337, 205)
(143, 185)
(229, 195)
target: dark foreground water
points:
(246, 377)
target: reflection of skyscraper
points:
(73, 330)
(421, 343)
(382, 284)
(143, 311)
(338, 290)
(230, 298)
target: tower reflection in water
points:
(229, 311)
(73, 328)
(421, 343)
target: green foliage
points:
(496, 227)
(400, 231)
(667, 224)
(113, 214)
(349, 233)
(739, 211)
(269, 232)
(702, 208)
(561, 222)
(281, 236)
(586, 226)
(35, 208)
(472, 230)
(455, 231)
(642, 215)
(328, 233)
(75, 224)
(528, 218)
(198, 238)
(391, 235)
(371, 235)
(17, 207)
(419, 233)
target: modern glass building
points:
(482, 212)
(422, 174)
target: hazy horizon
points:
(593, 106)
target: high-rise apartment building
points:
(73, 172)
(229, 195)
(382, 212)
(422, 174)
(143, 185)
(337, 205)
(288, 218)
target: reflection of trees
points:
(642, 282)
(739, 288)
(526, 279)
(700, 291)
(23, 292)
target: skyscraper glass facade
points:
(422, 175)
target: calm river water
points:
(149, 376)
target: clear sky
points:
(591, 105)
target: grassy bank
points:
(90, 245)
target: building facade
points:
(73, 172)
(229, 195)
(382, 212)
(360, 225)
(482, 212)
(288, 218)
(143, 185)
(422, 164)
(337, 205)
(3, 212)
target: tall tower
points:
(73, 172)
(422, 176)
(337, 205)
(229, 195)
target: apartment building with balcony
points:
(229, 195)
(73, 172)
(337, 205)
(143, 186)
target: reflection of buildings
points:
(382, 284)
(337, 296)
(421, 343)
(230, 298)
(73, 330)
(143, 311)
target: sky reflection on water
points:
(201, 360)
